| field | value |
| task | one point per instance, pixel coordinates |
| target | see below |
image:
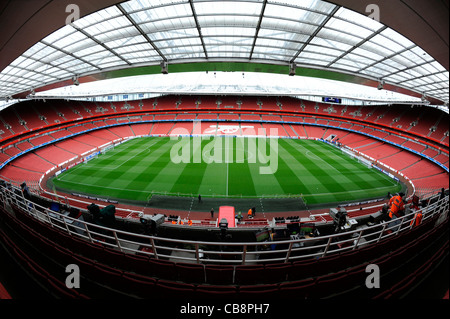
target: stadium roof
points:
(322, 39)
(227, 83)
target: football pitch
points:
(226, 167)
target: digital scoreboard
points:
(331, 100)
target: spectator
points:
(442, 194)
(396, 210)
(397, 205)
(417, 219)
(25, 191)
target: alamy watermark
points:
(74, 13)
(373, 280)
(374, 11)
(73, 279)
(256, 148)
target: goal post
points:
(107, 148)
(356, 156)
(90, 157)
(364, 161)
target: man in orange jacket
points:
(396, 210)
(417, 219)
(397, 206)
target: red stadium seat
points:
(248, 274)
(216, 291)
(300, 289)
(190, 273)
(219, 274)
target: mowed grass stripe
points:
(122, 170)
(361, 175)
(96, 170)
(353, 190)
(354, 172)
(151, 173)
(335, 187)
(214, 179)
(323, 173)
(135, 169)
(85, 180)
(190, 174)
(310, 183)
(147, 171)
(286, 178)
(242, 178)
(318, 185)
(126, 169)
(330, 162)
(87, 170)
(164, 172)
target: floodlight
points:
(292, 67)
(164, 67)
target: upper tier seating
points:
(33, 115)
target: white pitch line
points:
(227, 180)
(117, 166)
(345, 192)
(227, 159)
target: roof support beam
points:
(437, 90)
(199, 29)
(415, 66)
(312, 36)
(125, 13)
(357, 46)
(385, 58)
(258, 27)
(71, 54)
(34, 71)
(425, 76)
(50, 65)
(101, 44)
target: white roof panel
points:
(312, 33)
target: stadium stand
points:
(351, 139)
(314, 235)
(114, 271)
(110, 273)
(19, 174)
(54, 155)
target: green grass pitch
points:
(142, 166)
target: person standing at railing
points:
(442, 193)
(239, 216)
(295, 236)
(417, 219)
(25, 191)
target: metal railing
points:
(223, 252)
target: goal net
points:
(357, 157)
